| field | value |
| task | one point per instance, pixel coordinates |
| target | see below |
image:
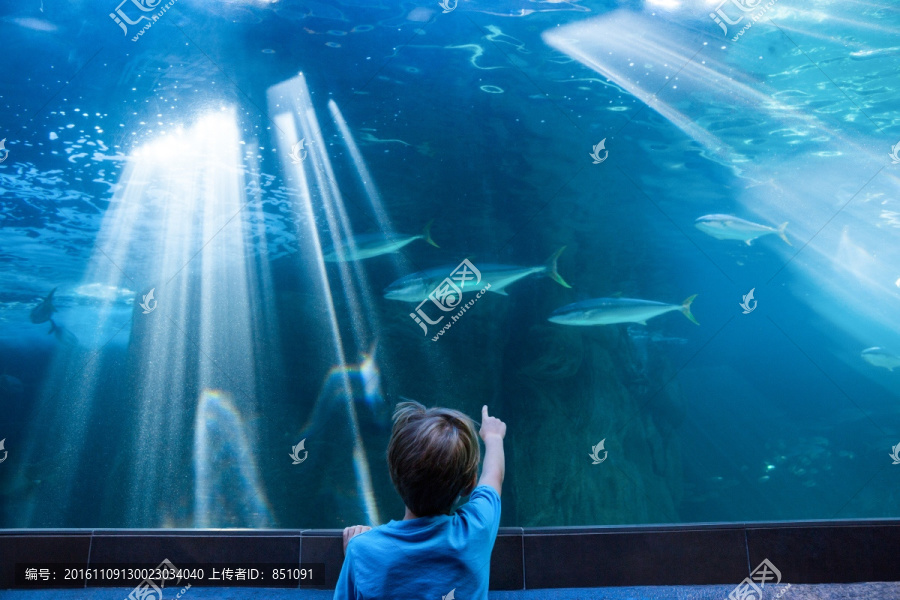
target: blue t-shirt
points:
(425, 558)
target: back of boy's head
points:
(433, 456)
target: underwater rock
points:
(557, 353)
(565, 414)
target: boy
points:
(433, 456)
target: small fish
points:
(637, 333)
(880, 357)
(43, 311)
(62, 334)
(728, 227)
(417, 286)
(374, 244)
(368, 137)
(608, 311)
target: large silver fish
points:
(729, 227)
(880, 357)
(608, 311)
(417, 286)
(373, 244)
(43, 311)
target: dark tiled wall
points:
(828, 552)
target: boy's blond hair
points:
(433, 456)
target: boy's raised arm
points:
(493, 430)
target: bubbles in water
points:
(491, 89)
(362, 28)
(336, 32)
(268, 51)
(332, 44)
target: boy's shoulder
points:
(483, 493)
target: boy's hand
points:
(350, 532)
(491, 425)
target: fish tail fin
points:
(426, 231)
(782, 235)
(552, 273)
(686, 309)
(53, 327)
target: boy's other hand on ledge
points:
(350, 532)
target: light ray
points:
(177, 225)
(291, 107)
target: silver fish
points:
(417, 286)
(43, 311)
(729, 227)
(880, 357)
(608, 311)
(374, 244)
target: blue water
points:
(178, 186)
